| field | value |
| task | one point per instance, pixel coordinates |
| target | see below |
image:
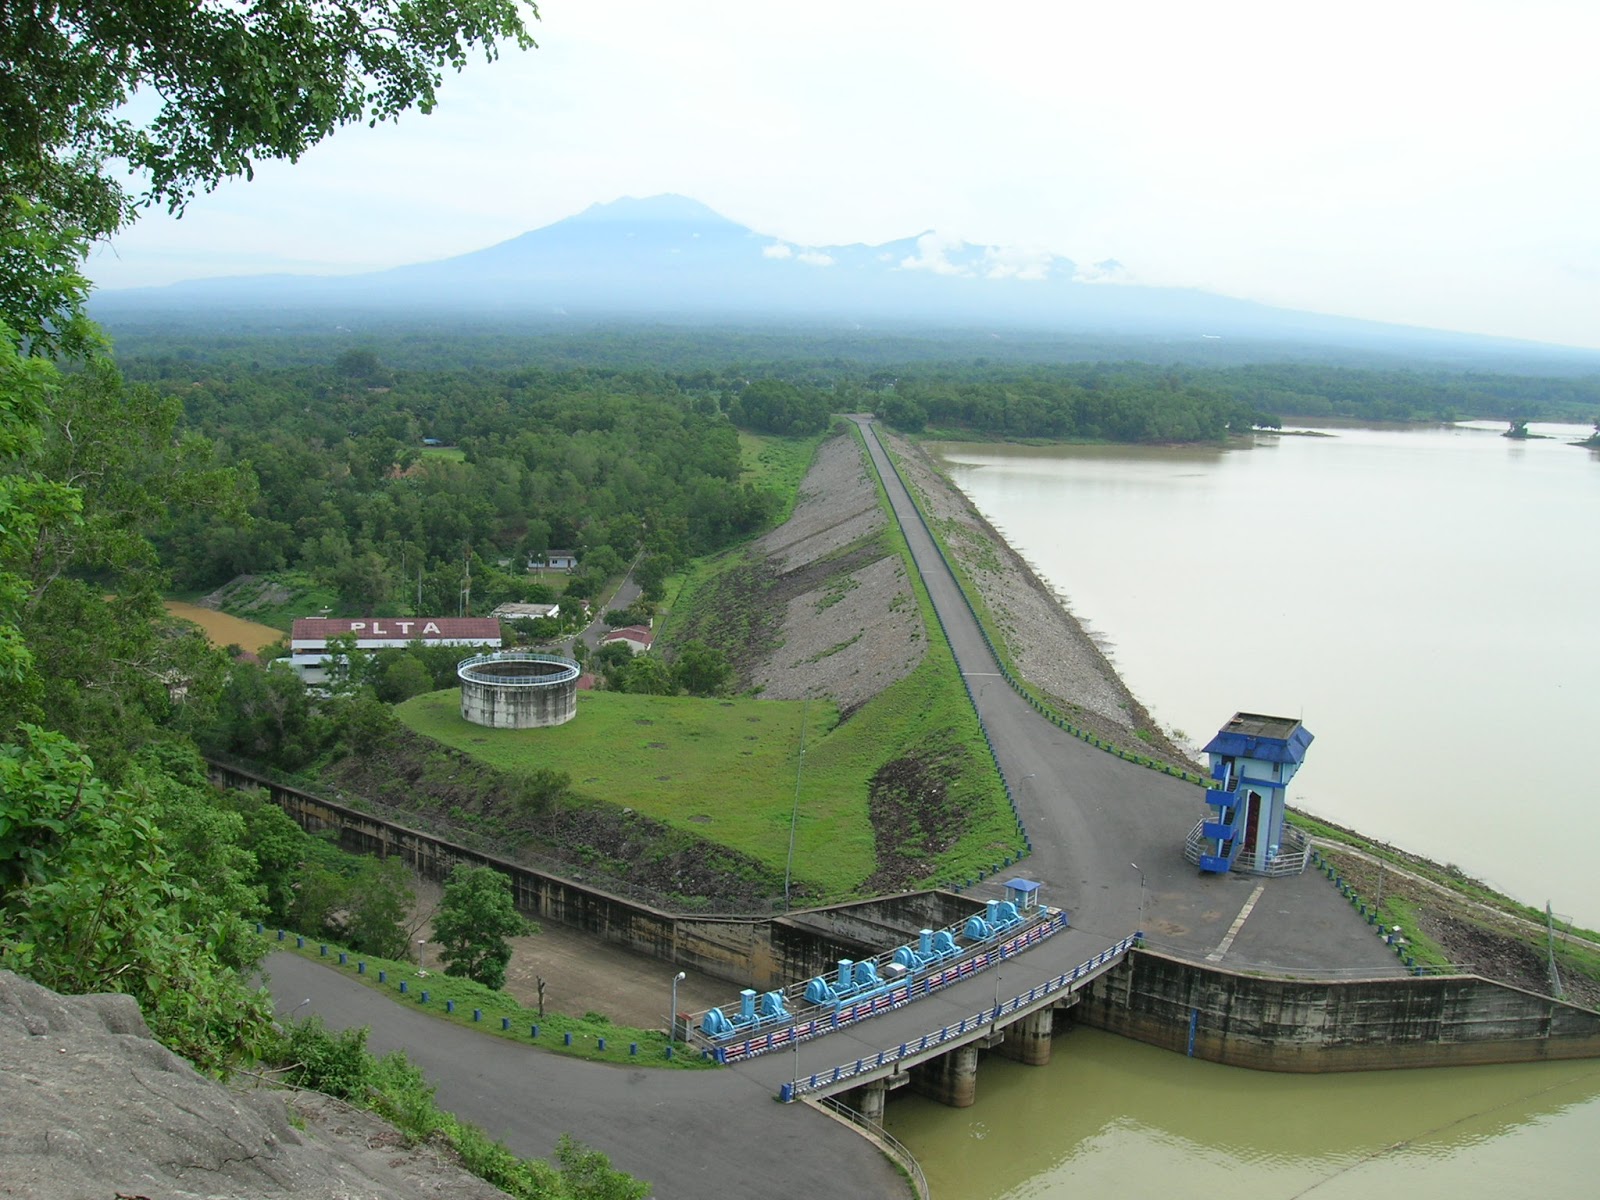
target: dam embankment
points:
(1242, 1019)
(750, 951)
(1319, 1025)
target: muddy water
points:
(224, 630)
(1109, 1117)
(1423, 598)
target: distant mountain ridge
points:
(672, 258)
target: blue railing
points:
(1071, 980)
(891, 998)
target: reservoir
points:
(1424, 600)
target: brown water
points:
(224, 630)
(1113, 1118)
(1425, 601)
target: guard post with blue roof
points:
(1253, 758)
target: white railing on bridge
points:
(1069, 981)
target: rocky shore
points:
(1046, 643)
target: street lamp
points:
(1140, 928)
(672, 1022)
(298, 1007)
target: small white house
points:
(555, 560)
(309, 638)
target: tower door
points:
(1252, 819)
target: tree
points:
(237, 80)
(701, 670)
(476, 916)
(379, 909)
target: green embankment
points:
(726, 770)
(776, 464)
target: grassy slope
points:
(726, 769)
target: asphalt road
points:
(695, 1135)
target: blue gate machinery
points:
(858, 990)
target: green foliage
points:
(335, 1063)
(476, 916)
(605, 465)
(231, 83)
(339, 1064)
(378, 908)
(700, 670)
(94, 902)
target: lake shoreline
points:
(1049, 646)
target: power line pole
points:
(794, 813)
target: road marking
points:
(1238, 923)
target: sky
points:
(1411, 161)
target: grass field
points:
(447, 453)
(727, 770)
(720, 769)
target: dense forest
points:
(397, 489)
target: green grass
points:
(447, 453)
(777, 464)
(719, 769)
(725, 770)
(586, 1030)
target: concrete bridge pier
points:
(869, 1100)
(1028, 1040)
(951, 1078)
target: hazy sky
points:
(1431, 163)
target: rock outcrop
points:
(91, 1106)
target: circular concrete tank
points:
(518, 690)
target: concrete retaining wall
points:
(759, 952)
(1314, 1025)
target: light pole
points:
(794, 812)
(1140, 928)
(672, 1021)
(298, 1007)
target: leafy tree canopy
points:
(476, 916)
(187, 93)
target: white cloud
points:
(1107, 270)
(1016, 262)
(933, 254)
(776, 250)
(814, 258)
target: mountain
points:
(670, 258)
